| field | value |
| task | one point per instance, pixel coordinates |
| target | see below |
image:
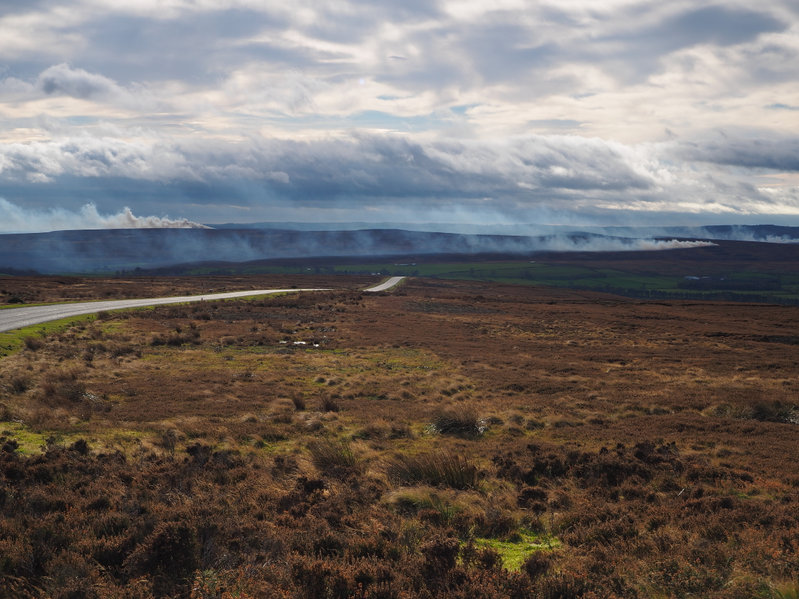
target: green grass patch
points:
(29, 441)
(13, 341)
(515, 551)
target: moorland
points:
(450, 438)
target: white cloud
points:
(527, 103)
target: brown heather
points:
(197, 451)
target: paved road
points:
(385, 285)
(15, 318)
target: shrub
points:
(33, 343)
(537, 564)
(171, 552)
(169, 440)
(440, 557)
(19, 384)
(329, 405)
(435, 469)
(562, 586)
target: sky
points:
(568, 112)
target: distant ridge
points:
(762, 232)
(94, 251)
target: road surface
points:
(385, 285)
(16, 318)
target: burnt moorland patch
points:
(449, 439)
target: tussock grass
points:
(441, 469)
(332, 456)
(463, 422)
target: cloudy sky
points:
(508, 111)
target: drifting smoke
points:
(112, 250)
(596, 243)
(759, 233)
(14, 219)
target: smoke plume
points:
(15, 219)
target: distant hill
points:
(113, 250)
(768, 233)
(106, 251)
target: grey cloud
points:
(201, 46)
(465, 56)
(504, 48)
(63, 79)
(194, 47)
(752, 151)
(389, 167)
(366, 170)
(715, 25)
(636, 52)
(92, 157)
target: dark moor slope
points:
(127, 249)
(87, 251)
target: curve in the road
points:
(385, 285)
(17, 318)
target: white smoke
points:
(666, 244)
(568, 243)
(15, 219)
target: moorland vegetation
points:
(449, 439)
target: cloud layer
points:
(540, 111)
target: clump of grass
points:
(462, 422)
(776, 411)
(331, 456)
(786, 590)
(169, 440)
(764, 411)
(329, 405)
(413, 501)
(33, 343)
(19, 384)
(441, 469)
(383, 429)
(374, 430)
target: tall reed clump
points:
(332, 456)
(439, 469)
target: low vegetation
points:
(446, 440)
